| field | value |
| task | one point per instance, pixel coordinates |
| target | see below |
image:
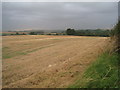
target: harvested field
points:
(38, 61)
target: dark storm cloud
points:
(58, 15)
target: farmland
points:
(47, 61)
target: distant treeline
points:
(97, 32)
(8, 34)
(22, 33)
(69, 31)
(103, 33)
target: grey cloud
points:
(60, 15)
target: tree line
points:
(69, 31)
(88, 32)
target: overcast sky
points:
(58, 15)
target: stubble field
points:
(38, 61)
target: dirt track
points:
(47, 61)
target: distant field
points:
(47, 61)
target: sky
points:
(58, 15)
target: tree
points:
(17, 33)
(32, 33)
(24, 34)
(70, 31)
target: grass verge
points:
(103, 73)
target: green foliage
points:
(116, 30)
(103, 73)
(32, 33)
(6, 34)
(70, 31)
(97, 32)
(88, 32)
(115, 34)
(37, 33)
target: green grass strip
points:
(103, 73)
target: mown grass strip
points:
(6, 52)
(7, 55)
(103, 73)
